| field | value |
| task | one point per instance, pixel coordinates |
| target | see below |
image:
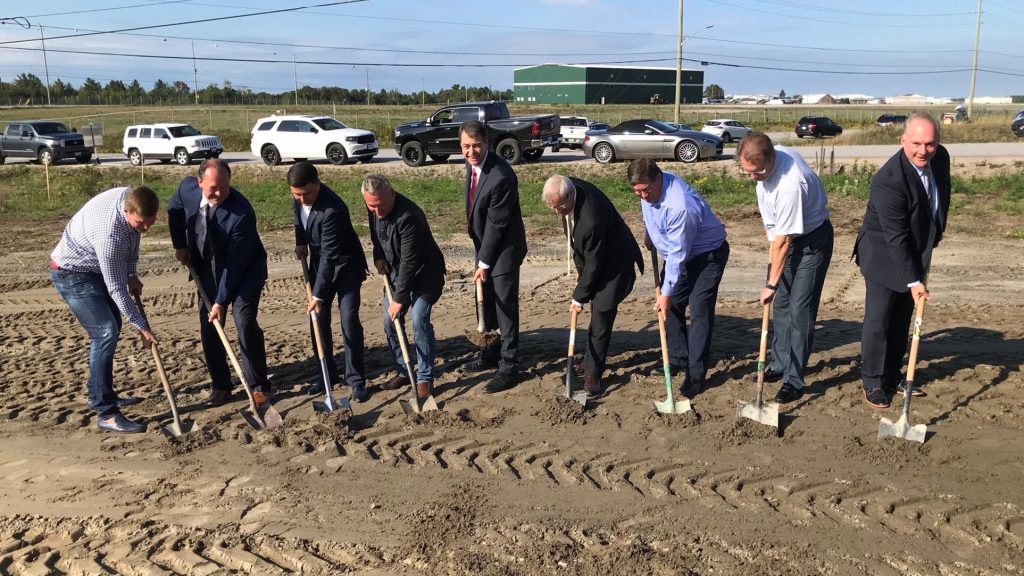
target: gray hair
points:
(377, 185)
(923, 116)
(557, 188)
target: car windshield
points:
(329, 124)
(661, 126)
(51, 128)
(179, 131)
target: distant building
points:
(993, 100)
(915, 100)
(587, 84)
(819, 99)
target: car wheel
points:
(440, 158)
(45, 156)
(726, 137)
(509, 150)
(687, 151)
(556, 148)
(604, 153)
(412, 153)
(336, 154)
(182, 157)
(84, 158)
(270, 155)
(534, 154)
(134, 157)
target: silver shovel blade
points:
(411, 406)
(902, 429)
(172, 430)
(578, 396)
(767, 413)
(670, 406)
(331, 405)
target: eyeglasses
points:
(560, 207)
(642, 188)
(760, 172)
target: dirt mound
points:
(561, 410)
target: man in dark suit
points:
(499, 238)
(337, 266)
(903, 223)
(405, 251)
(213, 229)
(604, 251)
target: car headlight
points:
(351, 138)
(58, 143)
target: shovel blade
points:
(483, 339)
(172, 430)
(331, 405)
(902, 429)
(579, 396)
(766, 413)
(270, 417)
(670, 406)
(414, 406)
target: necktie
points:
(926, 178)
(472, 191)
(203, 229)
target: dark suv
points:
(891, 119)
(817, 126)
(1018, 124)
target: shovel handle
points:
(160, 370)
(573, 317)
(915, 342)
(400, 332)
(312, 313)
(661, 331)
(479, 306)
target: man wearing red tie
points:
(495, 224)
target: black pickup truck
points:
(43, 141)
(514, 138)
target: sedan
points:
(726, 129)
(1017, 124)
(890, 119)
(650, 139)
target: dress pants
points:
(501, 309)
(696, 288)
(351, 331)
(883, 341)
(244, 309)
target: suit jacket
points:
(893, 247)
(238, 254)
(495, 218)
(603, 248)
(335, 254)
(404, 240)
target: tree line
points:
(29, 89)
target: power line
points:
(802, 6)
(108, 9)
(869, 24)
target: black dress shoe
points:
(769, 376)
(691, 388)
(479, 365)
(658, 370)
(123, 401)
(359, 393)
(901, 388)
(119, 423)
(788, 393)
(217, 397)
(502, 381)
(876, 398)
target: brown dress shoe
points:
(259, 397)
(593, 386)
(424, 389)
(217, 397)
(395, 383)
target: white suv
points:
(305, 137)
(166, 142)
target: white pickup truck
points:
(573, 129)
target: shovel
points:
(481, 337)
(178, 427)
(902, 427)
(766, 413)
(414, 405)
(329, 404)
(270, 417)
(669, 405)
(570, 370)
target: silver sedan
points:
(650, 139)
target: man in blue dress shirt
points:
(691, 241)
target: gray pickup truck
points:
(514, 138)
(43, 141)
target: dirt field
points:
(522, 482)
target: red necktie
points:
(472, 193)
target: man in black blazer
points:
(213, 228)
(903, 223)
(405, 251)
(337, 266)
(496, 227)
(604, 251)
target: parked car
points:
(572, 128)
(890, 119)
(43, 141)
(310, 137)
(1017, 124)
(647, 138)
(726, 129)
(165, 142)
(679, 126)
(817, 126)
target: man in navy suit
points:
(337, 266)
(213, 229)
(903, 223)
(495, 223)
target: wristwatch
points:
(771, 286)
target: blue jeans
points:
(86, 294)
(423, 336)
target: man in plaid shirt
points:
(93, 268)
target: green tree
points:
(90, 91)
(782, 93)
(714, 92)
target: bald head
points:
(920, 139)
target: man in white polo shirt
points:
(794, 210)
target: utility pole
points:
(295, 75)
(195, 81)
(679, 62)
(46, 65)
(369, 100)
(974, 67)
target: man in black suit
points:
(405, 251)
(213, 229)
(337, 266)
(903, 223)
(499, 238)
(604, 251)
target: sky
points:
(874, 47)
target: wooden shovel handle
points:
(573, 317)
(312, 313)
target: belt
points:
(54, 266)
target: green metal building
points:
(582, 84)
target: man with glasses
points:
(691, 241)
(794, 211)
(604, 251)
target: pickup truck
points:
(514, 138)
(43, 141)
(574, 128)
